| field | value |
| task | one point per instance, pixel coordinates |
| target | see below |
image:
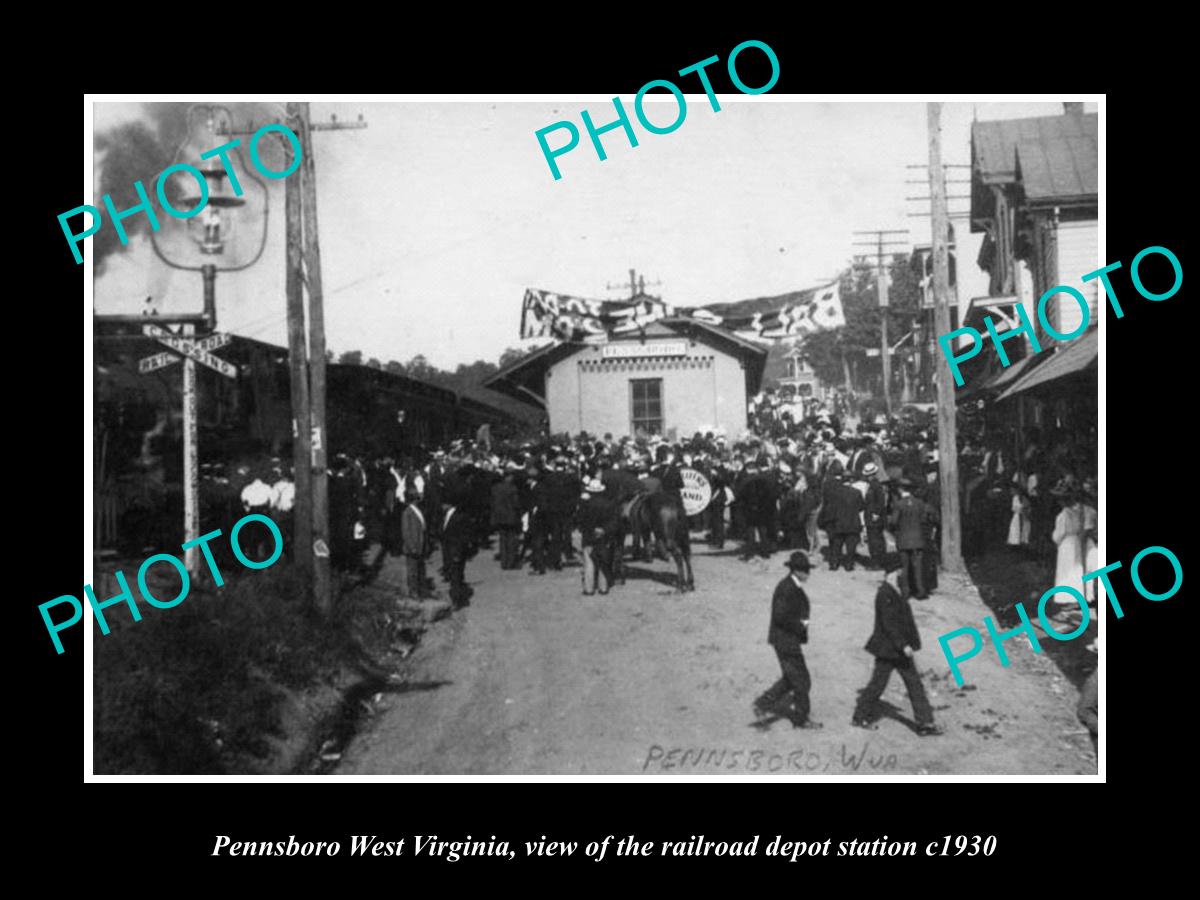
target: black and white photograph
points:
(510, 436)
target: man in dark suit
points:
(597, 516)
(718, 478)
(844, 508)
(506, 518)
(931, 494)
(457, 546)
(667, 472)
(788, 635)
(875, 515)
(893, 643)
(414, 542)
(758, 496)
(538, 499)
(909, 520)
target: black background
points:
(1039, 826)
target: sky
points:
(435, 218)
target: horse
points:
(659, 516)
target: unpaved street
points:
(534, 678)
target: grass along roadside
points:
(236, 679)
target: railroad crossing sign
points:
(199, 350)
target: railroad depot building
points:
(675, 377)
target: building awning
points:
(1073, 359)
(998, 379)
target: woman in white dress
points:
(1070, 536)
(1091, 534)
(1018, 525)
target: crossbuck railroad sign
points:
(199, 350)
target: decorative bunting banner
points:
(550, 314)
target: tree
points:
(420, 368)
(374, 363)
(394, 367)
(831, 352)
(510, 356)
(351, 358)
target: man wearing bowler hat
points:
(788, 635)
(893, 643)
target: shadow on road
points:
(634, 573)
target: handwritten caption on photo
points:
(700, 759)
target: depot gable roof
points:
(525, 378)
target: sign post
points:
(191, 351)
(191, 474)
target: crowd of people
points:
(845, 496)
(867, 495)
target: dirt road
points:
(534, 678)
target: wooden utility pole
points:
(881, 293)
(302, 511)
(947, 409)
(886, 352)
(322, 578)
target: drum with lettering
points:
(696, 492)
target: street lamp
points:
(212, 240)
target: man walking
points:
(788, 635)
(893, 643)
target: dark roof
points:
(1070, 359)
(1054, 158)
(994, 144)
(1059, 168)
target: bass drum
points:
(696, 492)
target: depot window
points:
(645, 401)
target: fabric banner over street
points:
(767, 319)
